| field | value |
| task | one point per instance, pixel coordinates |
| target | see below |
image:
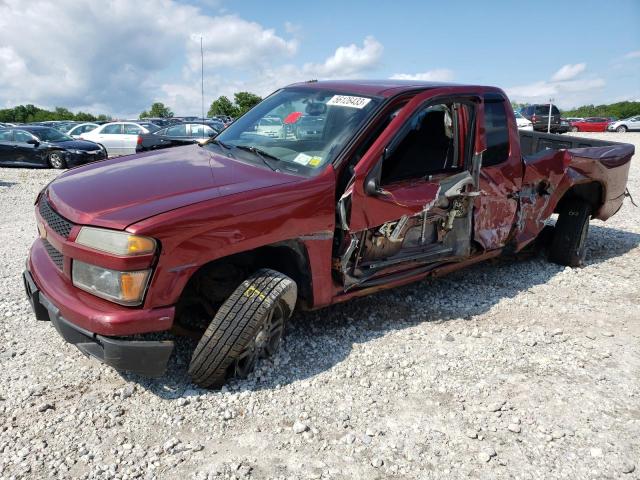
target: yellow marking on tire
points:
(254, 292)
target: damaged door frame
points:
(453, 195)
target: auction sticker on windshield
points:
(348, 101)
(307, 160)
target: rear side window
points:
(116, 128)
(132, 129)
(6, 136)
(22, 137)
(497, 132)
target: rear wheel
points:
(569, 243)
(56, 160)
(621, 129)
(575, 129)
(248, 326)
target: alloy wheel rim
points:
(56, 161)
(263, 344)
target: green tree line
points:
(31, 113)
(618, 110)
(242, 103)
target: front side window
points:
(6, 136)
(52, 135)
(199, 130)
(497, 132)
(177, 131)
(427, 145)
(271, 128)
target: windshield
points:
(51, 135)
(272, 130)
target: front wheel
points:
(621, 129)
(569, 243)
(248, 326)
(56, 160)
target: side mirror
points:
(372, 180)
(33, 141)
(371, 186)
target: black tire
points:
(568, 246)
(248, 326)
(56, 160)
(621, 129)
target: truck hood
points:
(119, 192)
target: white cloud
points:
(566, 86)
(84, 54)
(632, 55)
(569, 71)
(348, 60)
(436, 75)
(345, 62)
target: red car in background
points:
(591, 124)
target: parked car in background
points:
(119, 138)
(38, 146)
(77, 130)
(523, 123)
(226, 120)
(564, 127)
(591, 124)
(624, 125)
(270, 127)
(160, 122)
(176, 135)
(149, 125)
(185, 133)
(307, 127)
(538, 114)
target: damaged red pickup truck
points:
(350, 188)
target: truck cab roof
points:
(375, 88)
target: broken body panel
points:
(352, 240)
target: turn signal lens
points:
(115, 242)
(139, 245)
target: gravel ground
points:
(516, 368)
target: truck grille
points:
(55, 255)
(57, 223)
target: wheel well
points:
(591, 193)
(218, 279)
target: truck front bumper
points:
(144, 357)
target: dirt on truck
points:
(223, 241)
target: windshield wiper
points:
(216, 142)
(261, 154)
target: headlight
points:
(125, 288)
(77, 152)
(117, 243)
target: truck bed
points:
(532, 142)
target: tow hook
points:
(627, 193)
